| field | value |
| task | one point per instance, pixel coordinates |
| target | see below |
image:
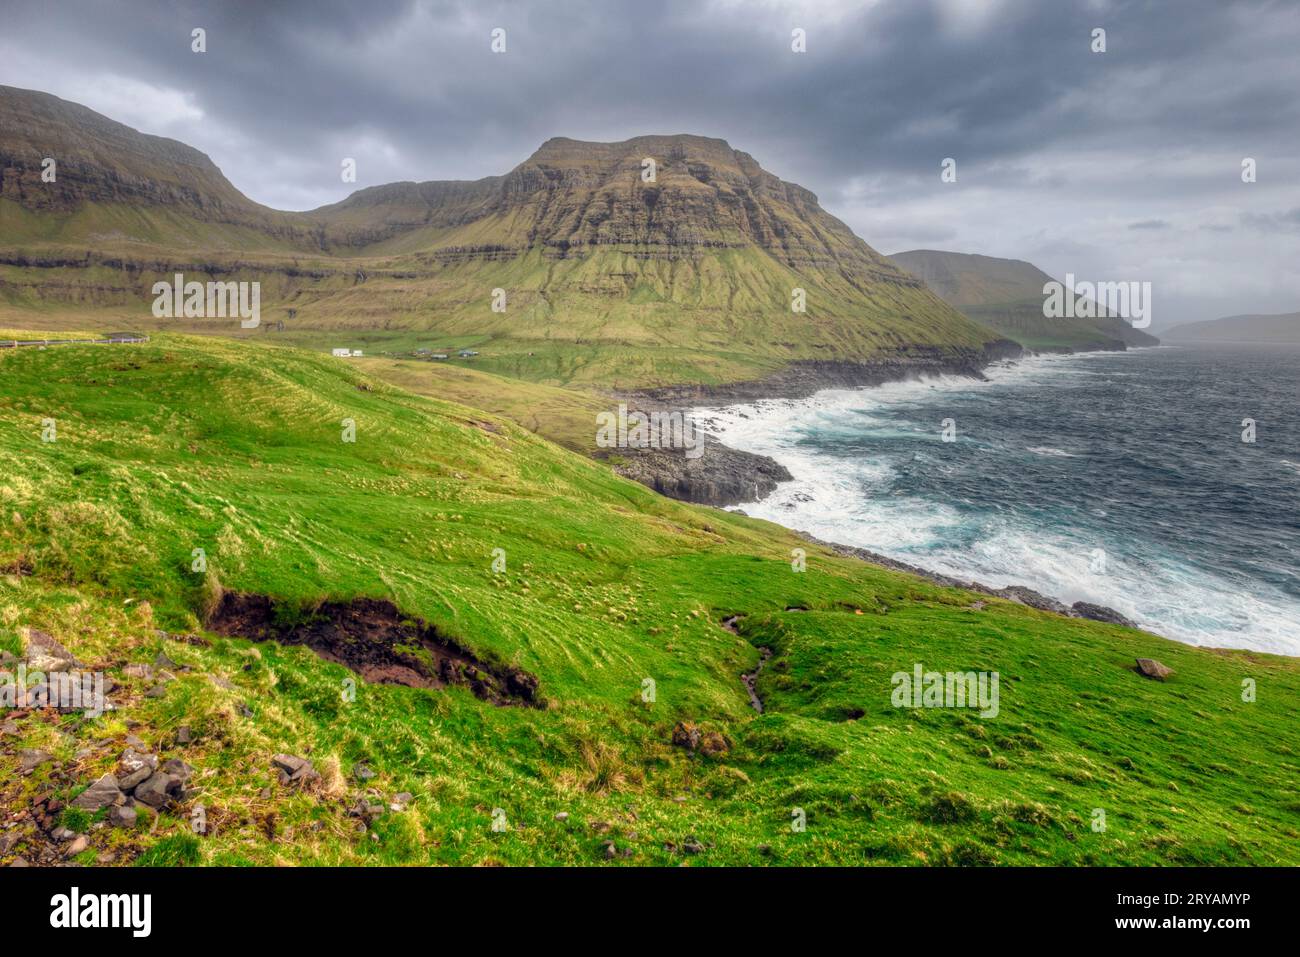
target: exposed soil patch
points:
(378, 642)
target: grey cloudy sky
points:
(1117, 165)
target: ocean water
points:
(1115, 478)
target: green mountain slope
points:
(1007, 295)
(606, 279)
(188, 443)
(1280, 328)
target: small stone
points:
(562, 816)
(79, 844)
(123, 816)
(693, 847)
(30, 760)
(184, 735)
(163, 663)
(138, 670)
(135, 768)
(47, 655)
(101, 794)
(363, 772)
(155, 791)
(294, 771)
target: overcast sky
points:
(1112, 166)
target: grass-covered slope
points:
(187, 443)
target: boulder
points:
(1153, 669)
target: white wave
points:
(851, 500)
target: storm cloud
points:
(1065, 157)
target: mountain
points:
(607, 279)
(1279, 327)
(1007, 295)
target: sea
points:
(1162, 482)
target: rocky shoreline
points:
(722, 476)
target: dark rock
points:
(122, 816)
(134, 769)
(686, 735)
(692, 847)
(714, 743)
(294, 771)
(1083, 609)
(184, 735)
(1027, 596)
(1153, 669)
(157, 691)
(719, 476)
(101, 794)
(363, 772)
(158, 791)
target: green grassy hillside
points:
(189, 443)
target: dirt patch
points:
(378, 642)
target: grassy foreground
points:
(238, 449)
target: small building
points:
(467, 353)
(438, 355)
(341, 353)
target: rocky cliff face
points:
(102, 161)
(571, 197)
(622, 278)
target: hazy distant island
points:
(1279, 327)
